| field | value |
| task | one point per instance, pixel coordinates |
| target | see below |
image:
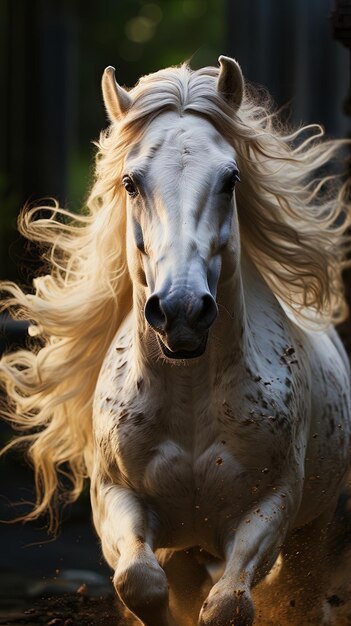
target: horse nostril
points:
(154, 314)
(207, 313)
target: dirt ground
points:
(91, 605)
(66, 610)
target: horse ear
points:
(230, 82)
(116, 99)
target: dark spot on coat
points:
(121, 365)
(140, 383)
(140, 539)
(227, 410)
(289, 350)
(334, 600)
(288, 397)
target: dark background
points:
(52, 55)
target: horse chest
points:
(189, 450)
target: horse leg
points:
(250, 553)
(295, 595)
(141, 583)
(189, 583)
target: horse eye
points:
(229, 183)
(130, 186)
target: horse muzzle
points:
(181, 322)
(186, 352)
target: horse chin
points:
(184, 354)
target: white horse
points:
(193, 312)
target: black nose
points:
(198, 312)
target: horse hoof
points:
(143, 588)
(228, 608)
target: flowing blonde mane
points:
(293, 223)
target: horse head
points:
(179, 179)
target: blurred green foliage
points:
(136, 37)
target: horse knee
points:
(142, 586)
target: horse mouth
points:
(184, 354)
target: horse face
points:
(179, 180)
